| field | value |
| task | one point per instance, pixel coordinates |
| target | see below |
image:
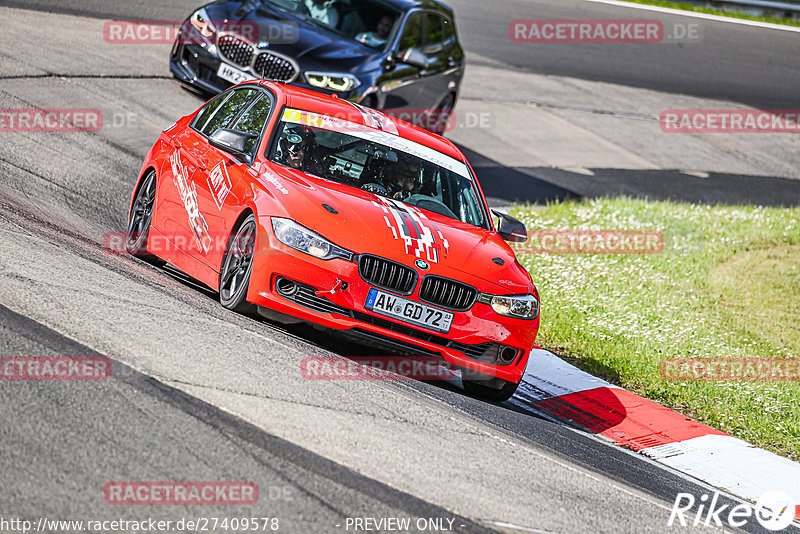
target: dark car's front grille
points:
(235, 50)
(387, 274)
(272, 67)
(447, 293)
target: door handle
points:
(202, 163)
(175, 142)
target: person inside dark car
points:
(323, 11)
(381, 33)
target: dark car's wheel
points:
(441, 115)
(237, 265)
(487, 387)
(140, 218)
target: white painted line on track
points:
(736, 466)
(717, 18)
(553, 377)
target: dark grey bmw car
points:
(401, 56)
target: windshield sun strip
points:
(296, 116)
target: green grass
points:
(726, 285)
(721, 12)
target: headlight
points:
(301, 238)
(519, 306)
(333, 81)
(202, 23)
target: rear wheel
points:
(237, 265)
(140, 219)
(487, 387)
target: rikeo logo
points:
(774, 511)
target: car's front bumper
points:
(473, 340)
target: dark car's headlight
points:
(518, 306)
(202, 23)
(301, 238)
(332, 80)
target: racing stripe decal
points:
(417, 232)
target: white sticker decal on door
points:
(220, 184)
(188, 193)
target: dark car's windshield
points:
(379, 162)
(367, 21)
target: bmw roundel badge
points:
(421, 264)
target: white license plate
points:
(409, 311)
(233, 75)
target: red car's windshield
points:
(396, 168)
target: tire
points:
(237, 265)
(487, 387)
(442, 114)
(140, 218)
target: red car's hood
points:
(369, 224)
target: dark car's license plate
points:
(409, 311)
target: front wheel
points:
(234, 279)
(487, 387)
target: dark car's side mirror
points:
(510, 228)
(232, 141)
(414, 57)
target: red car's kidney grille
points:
(272, 67)
(387, 274)
(235, 50)
(447, 293)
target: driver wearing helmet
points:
(296, 150)
(405, 179)
(293, 150)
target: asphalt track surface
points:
(199, 393)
